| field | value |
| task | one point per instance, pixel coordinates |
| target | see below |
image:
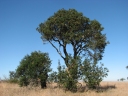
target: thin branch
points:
(79, 48)
(91, 54)
(56, 49)
(57, 41)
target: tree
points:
(93, 74)
(63, 78)
(33, 67)
(13, 77)
(122, 79)
(69, 78)
(126, 67)
(53, 77)
(69, 27)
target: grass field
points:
(7, 89)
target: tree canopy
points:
(71, 27)
(33, 67)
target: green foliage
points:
(69, 27)
(65, 80)
(93, 74)
(12, 77)
(68, 77)
(122, 79)
(23, 81)
(53, 77)
(33, 67)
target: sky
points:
(20, 18)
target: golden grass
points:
(7, 89)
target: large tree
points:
(34, 67)
(71, 27)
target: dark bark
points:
(43, 84)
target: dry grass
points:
(7, 89)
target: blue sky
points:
(20, 18)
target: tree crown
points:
(71, 27)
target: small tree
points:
(69, 81)
(53, 77)
(12, 77)
(93, 74)
(122, 79)
(33, 67)
(126, 67)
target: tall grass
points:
(110, 89)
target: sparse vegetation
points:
(122, 79)
(12, 77)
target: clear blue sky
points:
(20, 18)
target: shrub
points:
(93, 74)
(33, 67)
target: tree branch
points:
(56, 49)
(57, 41)
(91, 55)
(65, 52)
(74, 49)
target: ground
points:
(115, 89)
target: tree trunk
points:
(43, 84)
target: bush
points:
(93, 74)
(34, 67)
(68, 77)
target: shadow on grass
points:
(105, 88)
(98, 89)
(83, 88)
